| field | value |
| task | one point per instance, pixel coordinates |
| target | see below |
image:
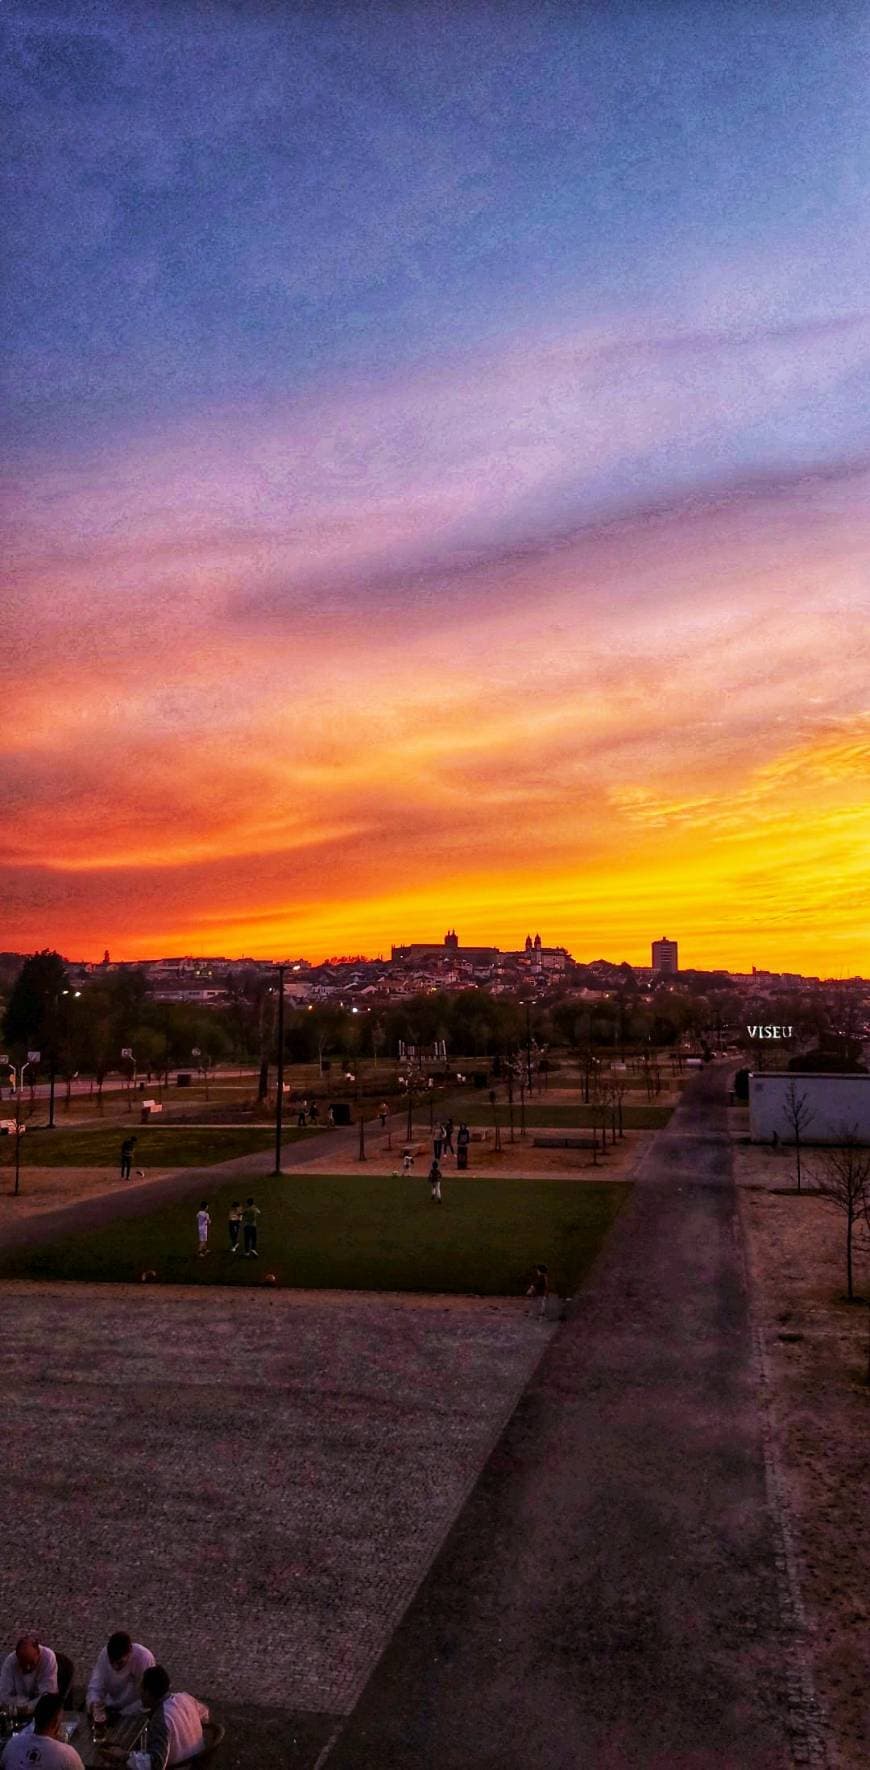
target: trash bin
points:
(461, 1156)
(341, 1113)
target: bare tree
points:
(844, 1182)
(799, 1116)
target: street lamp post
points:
(279, 1102)
(18, 1080)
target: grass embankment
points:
(562, 1116)
(359, 1232)
(179, 1146)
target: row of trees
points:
(85, 1032)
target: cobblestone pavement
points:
(252, 1484)
(615, 1594)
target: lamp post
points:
(279, 1102)
(17, 1083)
(127, 1054)
(528, 1045)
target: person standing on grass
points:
(127, 1148)
(235, 1224)
(249, 1224)
(203, 1224)
(435, 1182)
(538, 1292)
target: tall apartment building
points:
(665, 958)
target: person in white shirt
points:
(28, 1673)
(117, 1676)
(174, 1724)
(42, 1748)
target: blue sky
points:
(210, 204)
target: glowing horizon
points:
(438, 486)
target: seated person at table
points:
(116, 1678)
(174, 1724)
(28, 1673)
(41, 1745)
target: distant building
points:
(545, 958)
(665, 958)
(450, 949)
(835, 1105)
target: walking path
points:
(137, 1198)
(612, 1595)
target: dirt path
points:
(613, 1594)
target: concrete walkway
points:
(609, 1598)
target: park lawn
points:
(354, 1232)
(172, 1146)
(564, 1115)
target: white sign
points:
(34, 1056)
(126, 1051)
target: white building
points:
(836, 1103)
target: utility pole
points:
(279, 1102)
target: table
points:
(124, 1733)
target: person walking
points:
(538, 1292)
(448, 1136)
(234, 1225)
(383, 1114)
(313, 1113)
(435, 1183)
(203, 1224)
(438, 1144)
(127, 1148)
(249, 1228)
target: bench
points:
(149, 1107)
(570, 1141)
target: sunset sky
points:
(437, 456)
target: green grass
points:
(371, 1232)
(176, 1146)
(563, 1115)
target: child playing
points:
(203, 1223)
(538, 1292)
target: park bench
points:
(149, 1107)
(571, 1140)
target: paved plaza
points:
(254, 1484)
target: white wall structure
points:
(837, 1103)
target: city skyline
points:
(438, 472)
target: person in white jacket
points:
(27, 1673)
(174, 1724)
(117, 1676)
